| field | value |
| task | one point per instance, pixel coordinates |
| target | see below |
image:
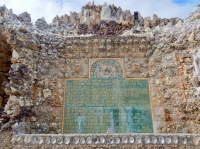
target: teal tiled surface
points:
(98, 104)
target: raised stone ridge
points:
(107, 140)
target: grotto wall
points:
(45, 55)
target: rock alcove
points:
(5, 63)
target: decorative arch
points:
(105, 68)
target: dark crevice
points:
(5, 63)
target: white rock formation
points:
(196, 58)
(105, 12)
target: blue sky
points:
(50, 8)
(180, 1)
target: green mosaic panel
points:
(94, 105)
(112, 65)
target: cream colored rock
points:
(198, 26)
(191, 37)
(150, 34)
(39, 94)
(169, 24)
(16, 111)
(46, 83)
(197, 16)
(21, 101)
(125, 33)
(6, 108)
(168, 57)
(155, 21)
(13, 100)
(178, 24)
(13, 60)
(147, 22)
(13, 89)
(61, 98)
(157, 28)
(28, 103)
(157, 82)
(9, 112)
(183, 30)
(89, 17)
(47, 92)
(147, 29)
(166, 29)
(59, 85)
(196, 140)
(15, 55)
(125, 22)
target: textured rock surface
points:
(105, 12)
(36, 59)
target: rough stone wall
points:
(165, 65)
(43, 56)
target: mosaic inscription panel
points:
(98, 105)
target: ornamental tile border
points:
(107, 139)
(119, 60)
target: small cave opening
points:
(5, 64)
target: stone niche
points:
(44, 73)
(5, 63)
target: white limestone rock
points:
(157, 28)
(105, 12)
(47, 92)
(196, 62)
(147, 21)
(10, 13)
(41, 24)
(169, 24)
(179, 24)
(198, 26)
(191, 37)
(15, 55)
(155, 20)
(119, 12)
(166, 29)
(197, 16)
(14, 90)
(147, 29)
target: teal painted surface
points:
(94, 105)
